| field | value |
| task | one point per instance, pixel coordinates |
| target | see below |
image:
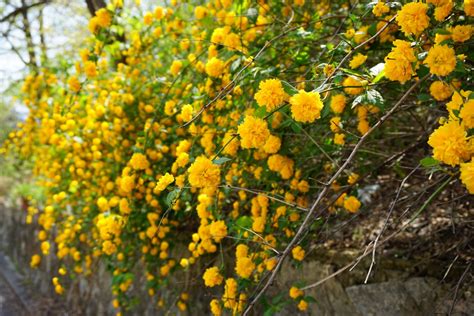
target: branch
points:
(22, 9)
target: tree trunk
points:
(32, 63)
(94, 5)
(44, 55)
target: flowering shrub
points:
(230, 126)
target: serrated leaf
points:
(372, 97)
(429, 162)
(221, 160)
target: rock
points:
(416, 296)
(331, 299)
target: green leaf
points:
(244, 221)
(429, 162)
(172, 196)
(295, 127)
(442, 31)
(221, 160)
(260, 112)
(424, 97)
(422, 71)
(372, 97)
(352, 72)
(309, 299)
(289, 88)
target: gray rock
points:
(414, 297)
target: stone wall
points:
(397, 286)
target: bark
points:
(32, 63)
(94, 5)
(43, 47)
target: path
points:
(10, 305)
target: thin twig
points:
(323, 193)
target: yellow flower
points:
(467, 175)
(182, 159)
(184, 262)
(148, 18)
(272, 145)
(230, 293)
(214, 67)
(469, 7)
(339, 139)
(412, 18)
(380, 9)
(352, 204)
(282, 165)
(450, 144)
(231, 144)
(103, 204)
(139, 161)
(127, 183)
(353, 85)
(306, 106)
(200, 12)
(90, 69)
(467, 114)
(93, 25)
(187, 112)
(176, 67)
(110, 226)
(338, 103)
(253, 132)
(440, 90)
(203, 173)
(241, 250)
(353, 177)
(441, 12)
(399, 62)
(441, 60)
(124, 206)
(215, 306)
(218, 230)
(335, 123)
(357, 60)
(270, 94)
(159, 13)
(295, 292)
(244, 267)
(212, 277)
(303, 305)
(461, 33)
(74, 84)
(35, 261)
(163, 183)
(298, 253)
(104, 18)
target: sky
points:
(65, 25)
